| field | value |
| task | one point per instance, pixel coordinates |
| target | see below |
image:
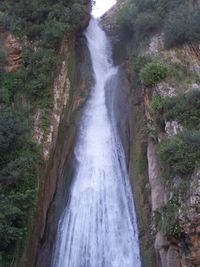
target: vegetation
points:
(182, 26)
(180, 154)
(41, 25)
(184, 108)
(152, 73)
(166, 219)
(178, 19)
(18, 179)
(143, 161)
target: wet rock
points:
(158, 193)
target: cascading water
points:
(98, 227)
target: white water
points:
(98, 227)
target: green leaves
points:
(18, 178)
(180, 154)
(182, 26)
(184, 108)
(152, 73)
(178, 19)
(166, 218)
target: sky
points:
(101, 7)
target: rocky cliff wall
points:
(71, 89)
(150, 191)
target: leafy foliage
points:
(18, 178)
(180, 154)
(42, 25)
(185, 108)
(10, 84)
(125, 19)
(152, 73)
(166, 219)
(178, 19)
(182, 26)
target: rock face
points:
(158, 194)
(149, 191)
(190, 221)
(60, 169)
(70, 90)
(13, 49)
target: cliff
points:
(71, 90)
(51, 106)
(167, 203)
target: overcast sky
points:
(102, 6)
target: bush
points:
(164, 7)
(39, 73)
(152, 73)
(185, 108)
(44, 24)
(177, 18)
(18, 180)
(166, 219)
(145, 24)
(13, 128)
(126, 20)
(180, 154)
(182, 26)
(3, 58)
(11, 84)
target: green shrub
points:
(18, 180)
(126, 20)
(180, 154)
(145, 24)
(137, 64)
(164, 7)
(185, 108)
(177, 18)
(3, 58)
(44, 24)
(157, 104)
(39, 73)
(12, 83)
(166, 219)
(152, 73)
(182, 26)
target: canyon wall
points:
(142, 143)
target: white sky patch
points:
(101, 6)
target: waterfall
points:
(98, 227)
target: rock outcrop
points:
(13, 49)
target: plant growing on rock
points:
(152, 73)
(184, 108)
(180, 154)
(166, 219)
(182, 25)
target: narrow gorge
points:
(100, 133)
